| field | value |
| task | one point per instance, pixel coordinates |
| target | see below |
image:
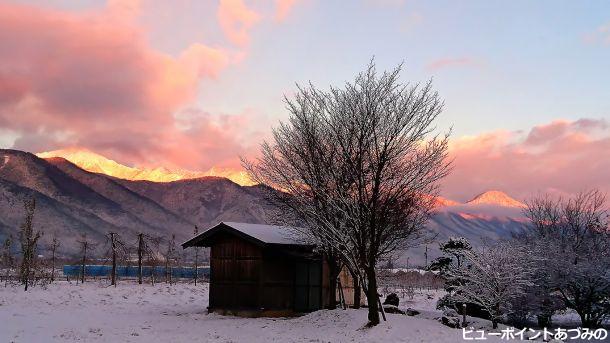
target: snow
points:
(407, 270)
(494, 197)
(70, 312)
(97, 163)
(271, 234)
(268, 234)
(5, 161)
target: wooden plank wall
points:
(235, 273)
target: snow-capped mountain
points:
(494, 197)
(95, 163)
(444, 202)
(96, 195)
(487, 218)
(72, 201)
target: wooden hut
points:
(261, 270)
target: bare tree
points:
(29, 241)
(169, 258)
(7, 258)
(492, 278)
(117, 249)
(572, 237)
(54, 245)
(152, 245)
(359, 167)
(146, 244)
(196, 232)
(85, 246)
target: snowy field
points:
(94, 312)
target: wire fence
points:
(97, 272)
(132, 271)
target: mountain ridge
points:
(73, 201)
(96, 163)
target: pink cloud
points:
(451, 62)
(90, 79)
(562, 157)
(126, 9)
(236, 20)
(283, 8)
(600, 36)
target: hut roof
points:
(259, 234)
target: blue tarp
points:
(132, 271)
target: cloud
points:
(451, 62)
(283, 8)
(236, 20)
(410, 21)
(387, 3)
(125, 9)
(561, 157)
(600, 36)
(90, 79)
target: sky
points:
(195, 84)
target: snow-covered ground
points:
(177, 313)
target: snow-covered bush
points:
(492, 278)
(562, 262)
(571, 239)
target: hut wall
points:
(235, 273)
(245, 276)
(325, 284)
(308, 285)
(278, 283)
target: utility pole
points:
(196, 257)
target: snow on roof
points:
(270, 234)
(257, 233)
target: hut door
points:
(308, 286)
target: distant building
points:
(261, 270)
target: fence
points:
(132, 271)
(406, 282)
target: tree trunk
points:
(587, 321)
(357, 291)
(113, 273)
(82, 276)
(140, 253)
(332, 293)
(495, 315)
(584, 321)
(464, 315)
(334, 271)
(371, 296)
(544, 320)
(153, 270)
(53, 264)
(196, 264)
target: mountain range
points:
(81, 192)
(96, 163)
